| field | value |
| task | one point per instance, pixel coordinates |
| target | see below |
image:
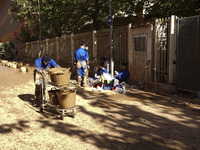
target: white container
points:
(11, 65)
(8, 64)
(23, 69)
(4, 62)
(15, 65)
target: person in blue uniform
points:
(101, 69)
(106, 63)
(81, 60)
(42, 65)
(123, 74)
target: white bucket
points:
(11, 64)
(8, 64)
(4, 62)
(15, 65)
(23, 69)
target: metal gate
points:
(188, 66)
(161, 58)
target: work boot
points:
(79, 81)
(85, 81)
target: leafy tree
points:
(26, 13)
(180, 8)
(61, 17)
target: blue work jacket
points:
(80, 55)
(122, 75)
(39, 64)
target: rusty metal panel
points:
(64, 51)
(161, 49)
(51, 48)
(35, 49)
(120, 40)
(189, 54)
(62, 48)
(120, 45)
(103, 44)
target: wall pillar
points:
(172, 48)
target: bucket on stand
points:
(60, 76)
(66, 98)
(51, 70)
(53, 97)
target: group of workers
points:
(81, 61)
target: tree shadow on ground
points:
(27, 98)
(135, 120)
(8, 128)
(128, 125)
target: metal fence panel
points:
(162, 27)
(51, 48)
(62, 49)
(103, 44)
(120, 40)
(189, 54)
(120, 45)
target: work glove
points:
(43, 72)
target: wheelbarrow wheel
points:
(62, 116)
(41, 109)
(73, 114)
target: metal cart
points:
(45, 100)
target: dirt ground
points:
(137, 120)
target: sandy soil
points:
(138, 120)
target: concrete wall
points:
(138, 59)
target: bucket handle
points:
(68, 92)
(53, 88)
(63, 85)
(60, 73)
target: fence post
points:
(155, 50)
(57, 49)
(39, 54)
(72, 47)
(130, 46)
(47, 45)
(172, 47)
(94, 45)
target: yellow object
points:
(102, 79)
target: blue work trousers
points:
(81, 65)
